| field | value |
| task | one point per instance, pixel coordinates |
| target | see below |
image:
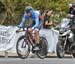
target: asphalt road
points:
(37, 61)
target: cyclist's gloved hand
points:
(32, 28)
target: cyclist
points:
(34, 15)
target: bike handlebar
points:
(21, 30)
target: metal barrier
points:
(8, 39)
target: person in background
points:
(71, 15)
(71, 12)
(41, 14)
(70, 8)
(47, 23)
(41, 18)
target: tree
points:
(11, 11)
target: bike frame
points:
(29, 37)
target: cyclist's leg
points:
(36, 32)
(30, 30)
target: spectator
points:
(41, 14)
(47, 23)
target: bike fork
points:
(24, 43)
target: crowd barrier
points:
(9, 37)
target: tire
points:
(43, 45)
(60, 49)
(22, 53)
(73, 55)
(73, 49)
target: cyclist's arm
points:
(36, 23)
(23, 21)
(48, 23)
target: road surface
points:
(37, 61)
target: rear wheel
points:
(23, 47)
(60, 49)
(73, 55)
(73, 50)
(43, 45)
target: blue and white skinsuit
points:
(34, 16)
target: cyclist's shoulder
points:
(25, 15)
(36, 13)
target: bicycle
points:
(23, 48)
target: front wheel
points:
(60, 49)
(73, 50)
(73, 55)
(43, 45)
(23, 47)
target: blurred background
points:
(11, 11)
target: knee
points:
(30, 30)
